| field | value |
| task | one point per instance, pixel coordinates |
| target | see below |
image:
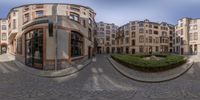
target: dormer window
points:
(26, 8)
(75, 9)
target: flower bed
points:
(137, 62)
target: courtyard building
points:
(3, 36)
(145, 37)
(106, 34)
(187, 38)
(50, 36)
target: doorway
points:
(182, 51)
(89, 52)
(3, 49)
(107, 50)
(34, 48)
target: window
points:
(195, 27)
(170, 38)
(133, 34)
(26, 18)
(157, 48)
(141, 30)
(107, 27)
(181, 24)
(133, 27)
(155, 32)
(33, 48)
(150, 31)
(113, 35)
(4, 36)
(107, 38)
(127, 39)
(74, 17)
(141, 25)
(156, 27)
(113, 31)
(141, 39)
(3, 27)
(107, 31)
(19, 45)
(14, 23)
(101, 29)
(26, 8)
(181, 31)
(133, 23)
(89, 34)
(157, 40)
(76, 44)
(150, 26)
(150, 39)
(191, 37)
(113, 42)
(141, 49)
(84, 23)
(39, 13)
(195, 36)
(133, 42)
(127, 32)
(90, 21)
(14, 13)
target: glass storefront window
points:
(34, 48)
(76, 44)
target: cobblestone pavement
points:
(97, 81)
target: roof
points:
(49, 4)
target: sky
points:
(121, 12)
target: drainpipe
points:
(54, 12)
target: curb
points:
(52, 74)
(164, 79)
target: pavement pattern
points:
(97, 81)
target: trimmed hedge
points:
(137, 62)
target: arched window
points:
(76, 44)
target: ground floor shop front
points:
(37, 49)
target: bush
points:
(137, 62)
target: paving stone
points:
(97, 81)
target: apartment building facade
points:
(52, 35)
(106, 34)
(3, 36)
(187, 38)
(145, 37)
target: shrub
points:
(137, 62)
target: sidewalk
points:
(151, 77)
(50, 74)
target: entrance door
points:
(108, 50)
(89, 52)
(182, 51)
(99, 50)
(113, 49)
(34, 48)
(133, 51)
(3, 49)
